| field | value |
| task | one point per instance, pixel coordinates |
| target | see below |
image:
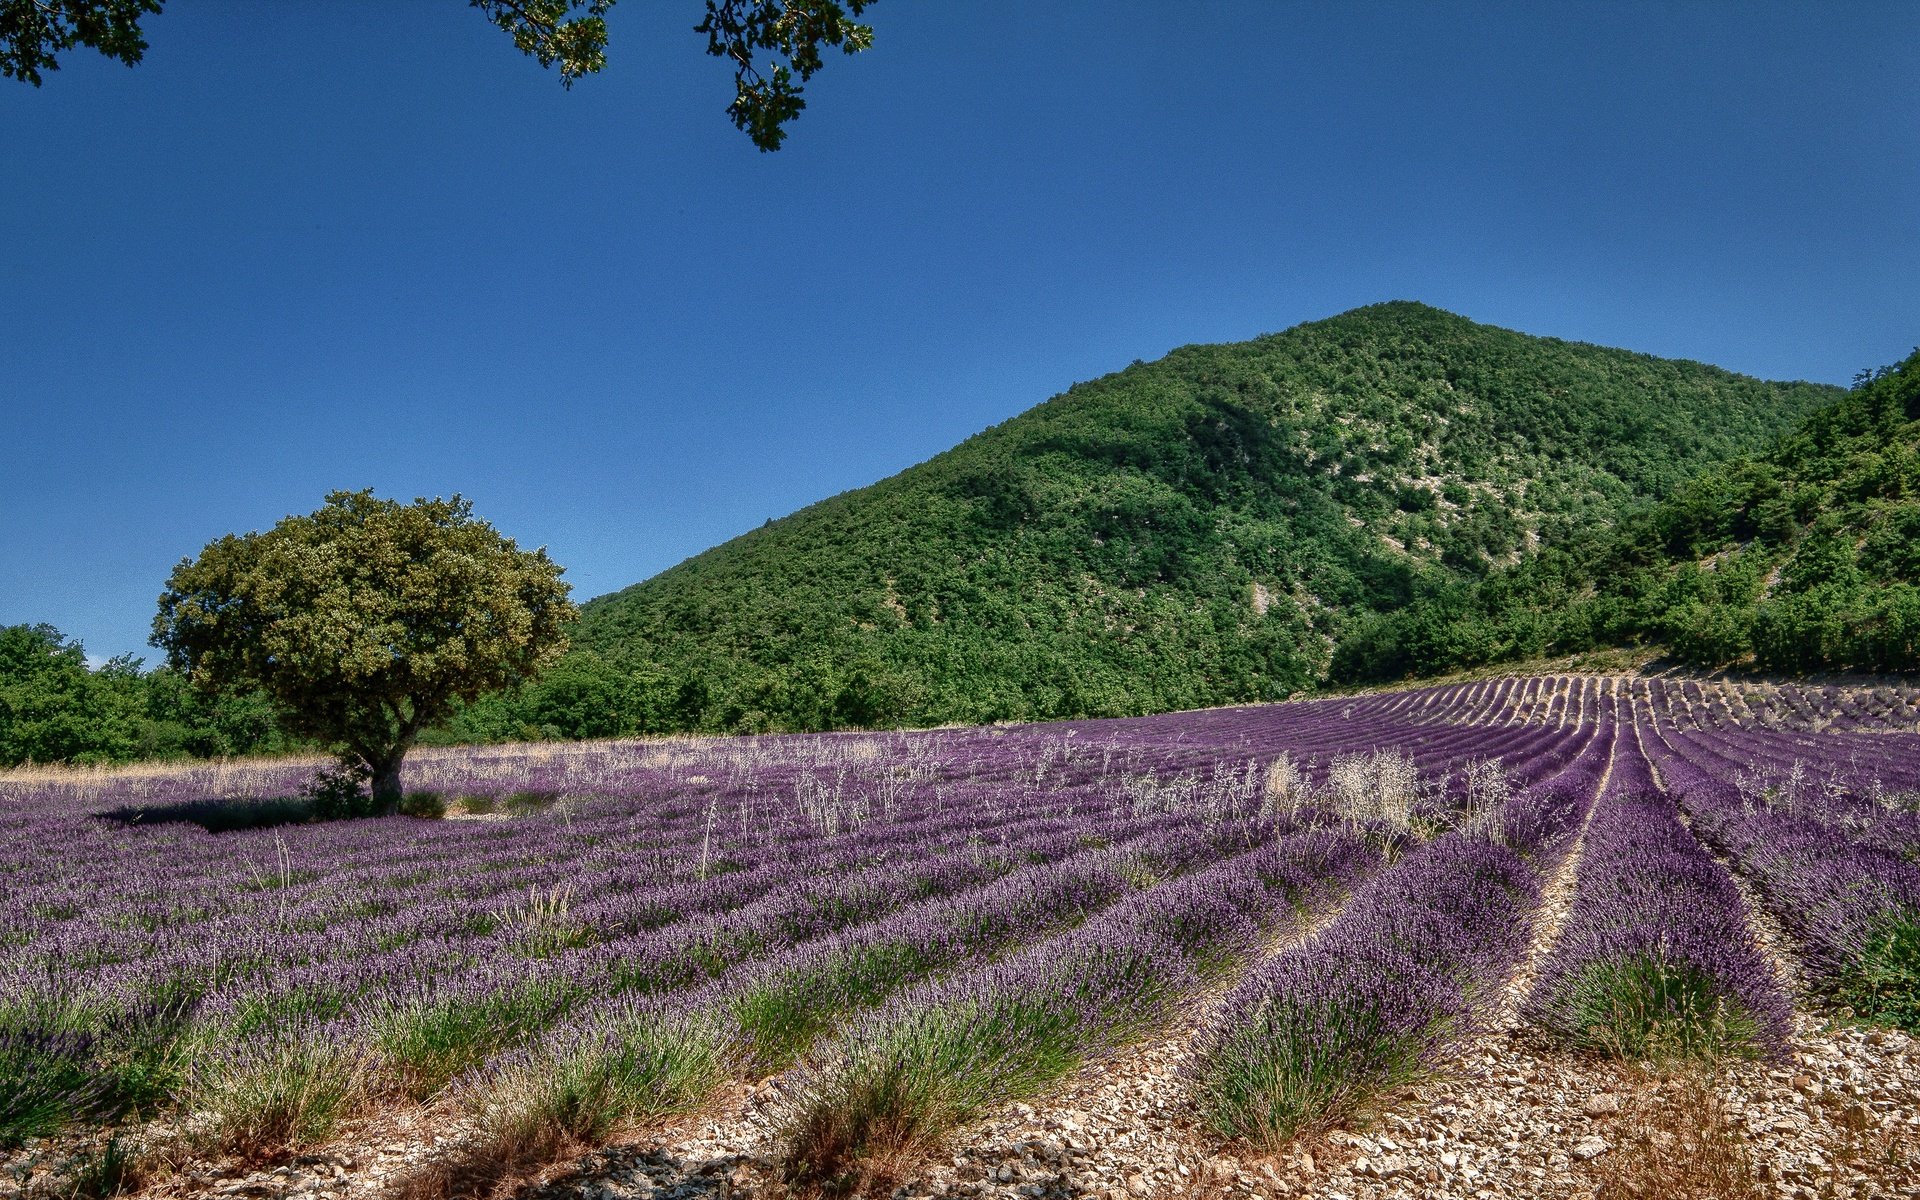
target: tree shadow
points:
(219, 816)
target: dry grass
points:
(476, 1173)
(1674, 1139)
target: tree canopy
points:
(366, 621)
(52, 708)
(774, 46)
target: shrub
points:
(46, 1080)
(340, 791)
(62, 1062)
(425, 1041)
(427, 806)
(1650, 1008)
(575, 1085)
(1883, 982)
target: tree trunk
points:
(386, 781)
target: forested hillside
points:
(1804, 557)
(1198, 530)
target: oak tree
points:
(774, 46)
(366, 621)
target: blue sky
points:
(312, 245)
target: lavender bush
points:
(1367, 1002)
(1855, 910)
(1656, 957)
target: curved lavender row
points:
(1656, 956)
(427, 1039)
(1541, 823)
(444, 934)
(933, 1057)
(1854, 910)
(428, 1026)
(784, 1004)
(1853, 797)
(1371, 999)
(282, 1057)
(427, 974)
(646, 1055)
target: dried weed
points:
(1675, 1138)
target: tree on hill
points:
(770, 43)
(366, 621)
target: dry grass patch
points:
(1675, 1138)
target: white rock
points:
(1590, 1147)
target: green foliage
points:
(287, 1093)
(548, 32)
(1298, 1070)
(424, 806)
(56, 709)
(768, 42)
(1882, 982)
(573, 1092)
(791, 33)
(34, 32)
(44, 1083)
(892, 1098)
(365, 621)
(1803, 558)
(1211, 528)
(52, 708)
(424, 1042)
(1649, 1007)
(339, 792)
(61, 1062)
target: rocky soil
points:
(1507, 1118)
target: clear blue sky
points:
(316, 244)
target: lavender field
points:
(828, 961)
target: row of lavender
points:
(1657, 955)
(1053, 1006)
(428, 948)
(1410, 966)
(1334, 1017)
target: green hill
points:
(1198, 530)
(1803, 557)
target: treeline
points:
(1804, 558)
(54, 708)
